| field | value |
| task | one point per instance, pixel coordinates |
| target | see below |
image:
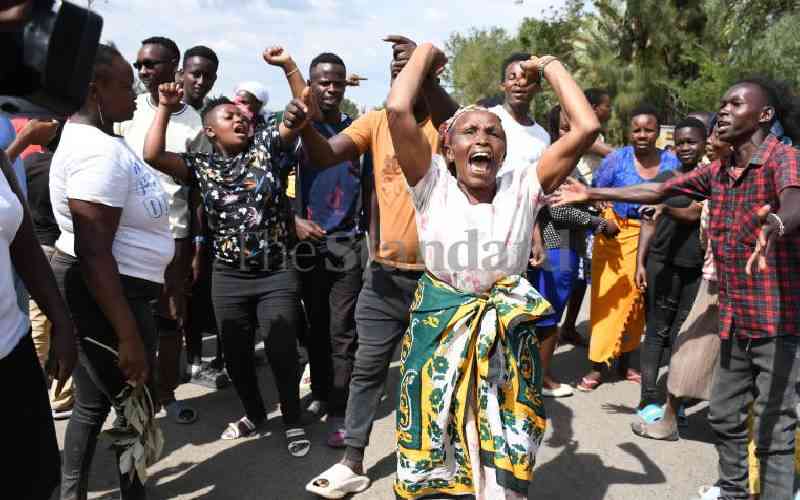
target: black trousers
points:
(330, 287)
(671, 291)
(32, 462)
(243, 301)
(97, 377)
(200, 319)
(761, 372)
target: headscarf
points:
(260, 93)
(444, 128)
(258, 90)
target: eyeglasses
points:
(150, 63)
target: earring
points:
(100, 114)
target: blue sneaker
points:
(683, 420)
(651, 413)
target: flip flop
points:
(338, 482)
(239, 429)
(641, 429)
(297, 443)
(633, 376)
(588, 384)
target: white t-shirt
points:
(13, 323)
(524, 144)
(468, 246)
(184, 125)
(92, 166)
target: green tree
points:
(475, 59)
(350, 108)
(636, 50)
(679, 55)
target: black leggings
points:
(97, 377)
(30, 445)
(243, 300)
(671, 291)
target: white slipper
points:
(561, 391)
(338, 482)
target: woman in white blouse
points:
(32, 450)
(114, 246)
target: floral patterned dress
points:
(245, 201)
(470, 416)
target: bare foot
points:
(662, 430)
(356, 467)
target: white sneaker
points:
(316, 407)
(709, 492)
(305, 379)
(562, 391)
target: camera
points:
(48, 51)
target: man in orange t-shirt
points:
(395, 265)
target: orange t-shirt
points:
(397, 243)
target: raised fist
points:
(170, 94)
(276, 56)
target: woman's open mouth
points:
(240, 129)
(482, 162)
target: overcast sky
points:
(239, 30)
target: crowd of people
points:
(464, 236)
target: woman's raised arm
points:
(412, 149)
(155, 153)
(560, 158)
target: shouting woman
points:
(243, 189)
(470, 415)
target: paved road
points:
(589, 452)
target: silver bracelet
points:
(781, 227)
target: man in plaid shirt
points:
(755, 214)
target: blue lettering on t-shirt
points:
(155, 207)
(146, 183)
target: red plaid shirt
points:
(766, 304)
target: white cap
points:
(255, 88)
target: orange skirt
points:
(617, 315)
